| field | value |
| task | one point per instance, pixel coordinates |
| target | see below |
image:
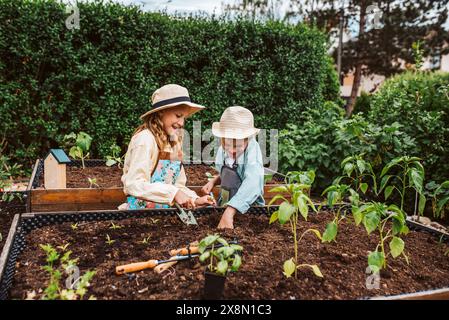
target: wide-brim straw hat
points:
(169, 96)
(235, 123)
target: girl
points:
(153, 175)
(239, 161)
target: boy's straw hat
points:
(171, 95)
(235, 123)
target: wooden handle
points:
(164, 266)
(133, 267)
(184, 251)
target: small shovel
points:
(186, 217)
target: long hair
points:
(153, 122)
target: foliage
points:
(375, 216)
(58, 264)
(439, 194)
(297, 187)
(79, 145)
(226, 258)
(114, 157)
(99, 78)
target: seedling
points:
(74, 226)
(115, 226)
(410, 174)
(115, 157)
(440, 197)
(356, 172)
(93, 182)
(209, 176)
(80, 145)
(335, 194)
(64, 247)
(109, 241)
(298, 186)
(223, 259)
(375, 216)
(145, 240)
(59, 263)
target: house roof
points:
(59, 155)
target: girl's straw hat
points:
(171, 95)
(235, 123)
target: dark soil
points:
(110, 177)
(7, 212)
(266, 247)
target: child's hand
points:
(184, 200)
(207, 188)
(205, 201)
(227, 219)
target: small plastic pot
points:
(214, 285)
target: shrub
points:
(419, 101)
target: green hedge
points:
(99, 79)
(419, 101)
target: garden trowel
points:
(185, 216)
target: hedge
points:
(99, 79)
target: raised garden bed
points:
(343, 264)
(108, 195)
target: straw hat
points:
(171, 95)
(235, 123)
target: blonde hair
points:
(153, 122)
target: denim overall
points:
(166, 171)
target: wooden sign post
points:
(55, 169)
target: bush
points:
(419, 101)
(326, 137)
(363, 103)
(99, 79)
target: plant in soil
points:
(115, 226)
(298, 187)
(404, 173)
(356, 172)
(225, 258)
(60, 263)
(115, 157)
(389, 221)
(79, 145)
(7, 173)
(92, 183)
(335, 195)
(109, 241)
(440, 197)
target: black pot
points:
(213, 286)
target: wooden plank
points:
(437, 294)
(8, 244)
(30, 186)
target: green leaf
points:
(222, 267)
(204, 256)
(279, 189)
(417, 179)
(388, 191)
(285, 212)
(422, 203)
(331, 232)
(376, 261)
(364, 187)
(110, 162)
(236, 263)
(371, 220)
(316, 270)
(361, 165)
(303, 208)
(396, 246)
(274, 217)
(349, 167)
(289, 267)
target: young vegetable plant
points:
(115, 157)
(58, 264)
(223, 259)
(80, 145)
(298, 187)
(115, 226)
(376, 216)
(356, 172)
(109, 241)
(440, 197)
(409, 174)
(93, 182)
(336, 194)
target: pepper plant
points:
(356, 173)
(222, 260)
(79, 145)
(376, 216)
(404, 173)
(298, 188)
(440, 197)
(115, 157)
